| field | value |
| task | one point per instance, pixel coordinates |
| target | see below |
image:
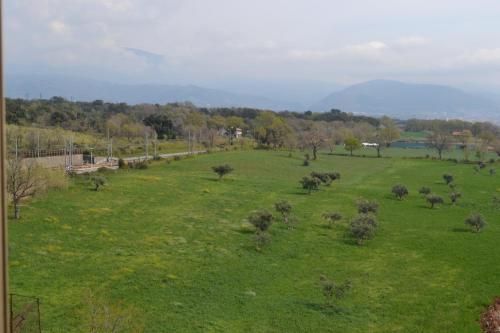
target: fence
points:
(24, 314)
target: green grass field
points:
(174, 243)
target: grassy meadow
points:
(174, 243)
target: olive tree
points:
(367, 206)
(400, 191)
(363, 228)
(448, 178)
(424, 190)
(351, 144)
(332, 290)
(476, 222)
(285, 209)
(440, 141)
(434, 199)
(23, 181)
(310, 184)
(261, 220)
(222, 170)
(332, 217)
(454, 196)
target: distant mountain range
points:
(375, 98)
(80, 89)
(405, 100)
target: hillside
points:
(405, 100)
(81, 89)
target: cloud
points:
(363, 50)
(59, 27)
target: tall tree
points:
(440, 141)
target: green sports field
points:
(173, 243)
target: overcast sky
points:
(190, 41)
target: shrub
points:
(400, 191)
(332, 217)
(322, 177)
(363, 228)
(222, 170)
(482, 165)
(476, 222)
(305, 163)
(448, 178)
(333, 176)
(434, 199)
(496, 202)
(490, 319)
(261, 220)
(492, 172)
(177, 158)
(424, 190)
(366, 206)
(285, 209)
(98, 181)
(122, 164)
(310, 184)
(454, 196)
(332, 290)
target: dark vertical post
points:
(4, 308)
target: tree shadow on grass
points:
(324, 308)
(461, 230)
(300, 193)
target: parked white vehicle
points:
(370, 145)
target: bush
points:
(122, 164)
(492, 172)
(177, 158)
(476, 222)
(332, 290)
(333, 176)
(222, 170)
(363, 228)
(448, 178)
(366, 206)
(400, 191)
(332, 217)
(285, 209)
(98, 181)
(424, 190)
(454, 196)
(305, 163)
(310, 184)
(434, 199)
(322, 177)
(261, 220)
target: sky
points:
(198, 41)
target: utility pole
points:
(38, 144)
(146, 145)
(4, 308)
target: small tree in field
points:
(98, 181)
(222, 170)
(351, 144)
(310, 184)
(434, 199)
(332, 217)
(261, 220)
(400, 191)
(23, 181)
(366, 206)
(332, 290)
(363, 228)
(424, 190)
(285, 209)
(454, 196)
(476, 222)
(448, 178)
(322, 177)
